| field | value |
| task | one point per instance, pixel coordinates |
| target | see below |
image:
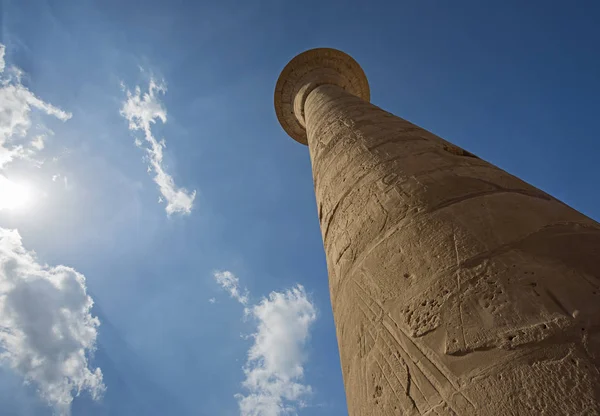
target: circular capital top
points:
(315, 67)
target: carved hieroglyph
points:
(456, 287)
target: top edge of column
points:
(351, 78)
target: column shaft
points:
(456, 287)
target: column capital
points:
(307, 71)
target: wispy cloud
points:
(46, 327)
(274, 370)
(16, 105)
(142, 110)
(231, 284)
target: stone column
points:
(456, 287)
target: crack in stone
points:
(463, 198)
(408, 385)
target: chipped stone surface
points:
(457, 288)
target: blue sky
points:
(187, 300)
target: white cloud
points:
(274, 370)
(46, 327)
(142, 111)
(16, 105)
(231, 283)
(275, 366)
(212, 300)
(38, 142)
(2, 62)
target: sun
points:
(14, 196)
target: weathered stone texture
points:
(456, 287)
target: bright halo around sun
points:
(14, 195)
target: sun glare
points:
(14, 196)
